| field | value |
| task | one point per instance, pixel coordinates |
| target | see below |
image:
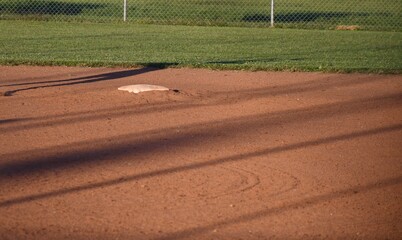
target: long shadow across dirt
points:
(307, 202)
(80, 80)
(224, 98)
(23, 163)
(214, 162)
(282, 154)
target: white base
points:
(142, 88)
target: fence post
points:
(272, 13)
(125, 10)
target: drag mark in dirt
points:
(192, 232)
(248, 180)
(280, 182)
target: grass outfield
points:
(108, 44)
(368, 14)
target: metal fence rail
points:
(320, 14)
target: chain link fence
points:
(319, 14)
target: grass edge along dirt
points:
(229, 48)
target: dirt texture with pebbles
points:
(226, 155)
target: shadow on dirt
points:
(135, 146)
(5, 121)
(307, 202)
(81, 80)
(225, 98)
(148, 67)
(174, 170)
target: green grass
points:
(113, 44)
(368, 14)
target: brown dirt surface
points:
(231, 155)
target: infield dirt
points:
(230, 155)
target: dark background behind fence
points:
(385, 15)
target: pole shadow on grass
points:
(307, 16)
(248, 61)
(209, 163)
(241, 61)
